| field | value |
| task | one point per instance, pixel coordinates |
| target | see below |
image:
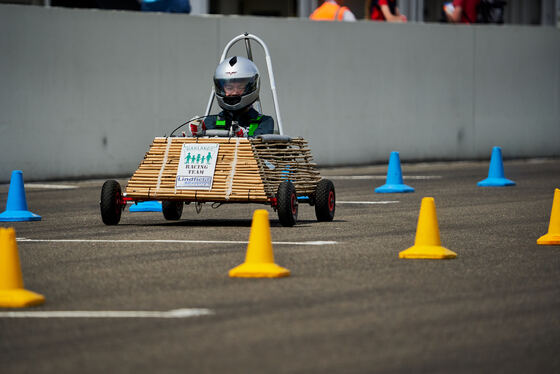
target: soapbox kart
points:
(220, 168)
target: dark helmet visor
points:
(235, 86)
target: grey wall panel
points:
(516, 80)
(395, 89)
(84, 92)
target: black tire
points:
(325, 200)
(286, 199)
(111, 202)
(172, 209)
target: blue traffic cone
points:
(16, 207)
(394, 181)
(146, 206)
(496, 176)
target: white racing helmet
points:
(236, 83)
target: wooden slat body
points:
(259, 168)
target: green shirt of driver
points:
(254, 122)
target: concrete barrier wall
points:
(83, 92)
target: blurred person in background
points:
(332, 10)
(461, 11)
(168, 6)
(383, 10)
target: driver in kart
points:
(236, 84)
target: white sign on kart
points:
(196, 166)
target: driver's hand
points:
(197, 128)
(241, 132)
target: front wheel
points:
(111, 202)
(287, 203)
(325, 200)
(172, 210)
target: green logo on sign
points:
(191, 159)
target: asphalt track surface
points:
(349, 307)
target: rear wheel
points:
(111, 202)
(172, 210)
(325, 200)
(287, 204)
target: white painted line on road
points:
(367, 202)
(342, 177)
(50, 186)
(175, 313)
(420, 177)
(318, 242)
(382, 177)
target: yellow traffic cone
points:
(259, 260)
(12, 293)
(427, 244)
(553, 236)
